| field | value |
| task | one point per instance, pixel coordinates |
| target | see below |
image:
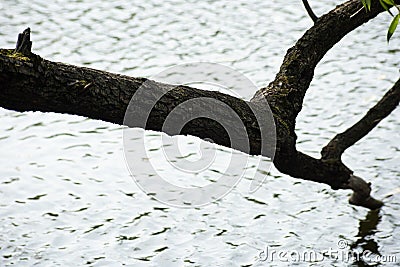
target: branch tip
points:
(362, 194)
(24, 43)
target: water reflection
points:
(366, 237)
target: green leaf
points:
(366, 4)
(393, 26)
(389, 2)
(385, 7)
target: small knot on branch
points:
(24, 43)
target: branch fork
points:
(44, 87)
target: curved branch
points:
(335, 148)
(297, 69)
(286, 93)
(309, 10)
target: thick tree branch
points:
(335, 148)
(29, 82)
(33, 83)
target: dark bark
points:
(29, 82)
(24, 43)
(33, 83)
(309, 10)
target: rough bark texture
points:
(29, 82)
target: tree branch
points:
(309, 10)
(335, 148)
(297, 69)
(32, 83)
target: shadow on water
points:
(366, 240)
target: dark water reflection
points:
(66, 197)
(366, 232)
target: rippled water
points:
(66, 196)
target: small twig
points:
(310, 11)
(24, 43)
